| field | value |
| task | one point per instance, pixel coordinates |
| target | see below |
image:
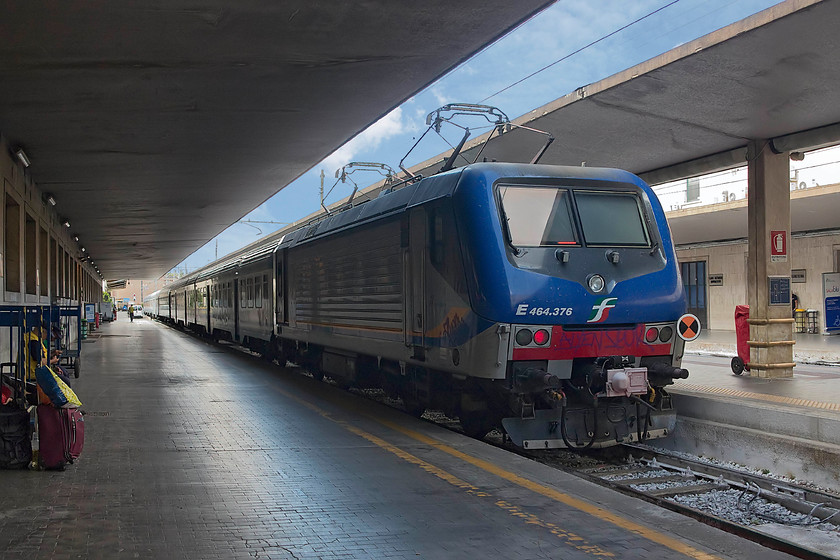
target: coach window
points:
(250, 292)
(258, 292)
(265, 287)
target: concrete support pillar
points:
(771, 324)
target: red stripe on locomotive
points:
(566, 345)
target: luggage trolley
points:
(19, 395)
(66, 330)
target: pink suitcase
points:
(61, 435)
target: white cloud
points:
(387, 127)
(441, 98)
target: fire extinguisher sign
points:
(778, 246)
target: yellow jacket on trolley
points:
(32, 362)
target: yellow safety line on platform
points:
(633, 527)
(581, 505)
(757, 396)
(571, 539)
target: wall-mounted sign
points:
(715, 279)
(831, 301)
(778, 288)
(797, 276)
(778, 246)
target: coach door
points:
(236, 304)
(694, 282)
(280, 299)
(208, 303)
(414, 266)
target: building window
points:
(12, 251)
(692, 189)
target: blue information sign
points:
(831, 299)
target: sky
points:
(559, 39)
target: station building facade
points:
(708, 220)
(42, 261)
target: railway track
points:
(736, 501)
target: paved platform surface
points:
(809, 348)
(815, 383)
(193, 451)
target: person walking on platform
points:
(131, 313)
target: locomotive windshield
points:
(538, 217)
(545, 217)
(611, 218)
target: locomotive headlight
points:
(524, 337)
(651, 335)
(596, 283)
(665, 334)
(541, 337)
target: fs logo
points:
(601, 310)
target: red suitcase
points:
(61, 435)
(77, 431)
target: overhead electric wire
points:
(595, 42)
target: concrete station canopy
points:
(693, 110)
(156, 125)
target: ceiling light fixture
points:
(75, 237)
(24, 159)
(50, 198)
(66, 223)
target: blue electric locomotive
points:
(539, 298)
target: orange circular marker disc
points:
(688, 327)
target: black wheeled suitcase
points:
(15, 437)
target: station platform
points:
(195, 451)
(815, 382)
(809, 348)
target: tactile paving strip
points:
(759, 396)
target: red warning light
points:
(652, 334)
(541, 337)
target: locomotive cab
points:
(587, 287)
